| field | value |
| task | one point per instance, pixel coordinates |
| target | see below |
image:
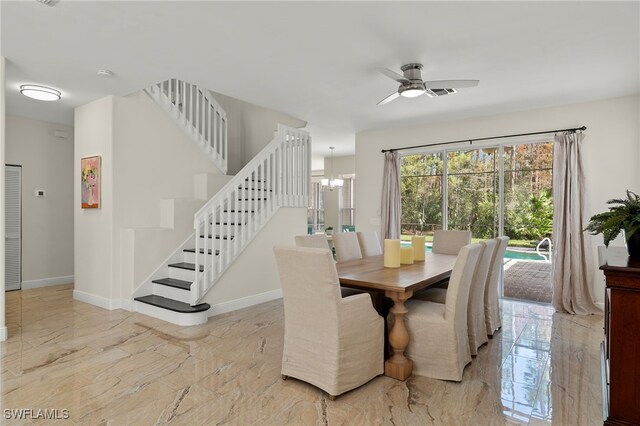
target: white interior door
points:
(13, 227)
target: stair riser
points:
(191, 257)
(171, 316)
(182, 274)
(172, 293)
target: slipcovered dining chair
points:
(347, 246)
(313, 241)
(439, 342)
(320, 241)
(476, 326)
(491, 304)
(369, 243)
(450, 242)
(331, 342)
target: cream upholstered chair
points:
(320, 241)
(450, 242)
(491, 304)
(333, 343)
(347, 246)
(476, 326)
(369, 243)
(439, 343)
(314, 241)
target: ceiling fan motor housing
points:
(412, 71)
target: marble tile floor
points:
(118, 367)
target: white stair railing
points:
(279, 176)
(198, 114)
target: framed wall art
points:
(90, 177)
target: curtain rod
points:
(484, 139)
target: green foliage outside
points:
(473, 185)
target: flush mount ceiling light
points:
(105, 73)
(40, 93)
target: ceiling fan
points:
(412, 85)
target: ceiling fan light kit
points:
(412, 85)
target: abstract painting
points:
(90, 182)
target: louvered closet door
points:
(13, 226)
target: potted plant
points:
(623, 216)
(329, 230)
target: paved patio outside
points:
(527, 280)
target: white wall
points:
(47, 223)
(611, 152)
(3, 328)
(93, 236)
(250, 128)
(345, 165)
(255, 272)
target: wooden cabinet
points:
(621, 346)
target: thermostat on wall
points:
(40, 193)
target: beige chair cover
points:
(476, 326)
(333, 343)
(347, 246)
(450, 242)
(491, 303)
(439, 342)
(369, 243)
(314, 241)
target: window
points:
(347, 211)
(315, 214)
(421, 189)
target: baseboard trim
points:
(46, 282)
(244, 302)
(103, 302)
(600, 305)
(3, 334)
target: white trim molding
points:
(103, 302)
(46, 282)
(3, 334)
(245, 302)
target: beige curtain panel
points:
(391, 208)
(571, 257)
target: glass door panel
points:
(472, 187)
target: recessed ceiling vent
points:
(48, 2)
(440, 92)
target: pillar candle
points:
(418, 248)
(406, 255)
(391, 253)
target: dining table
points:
(398, 284)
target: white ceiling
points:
(316, 60)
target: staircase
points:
(279, 176)
(198, 114)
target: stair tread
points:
(241, 211)
(218, 237)
(172, 282)
(185, 265)
(172, 305)
(252, 199)
(230, 223)
(193, 250)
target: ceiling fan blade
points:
(389, 98)
(450, 84)
(393, 75)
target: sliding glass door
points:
(497, 190)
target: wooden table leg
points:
(398, 366)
